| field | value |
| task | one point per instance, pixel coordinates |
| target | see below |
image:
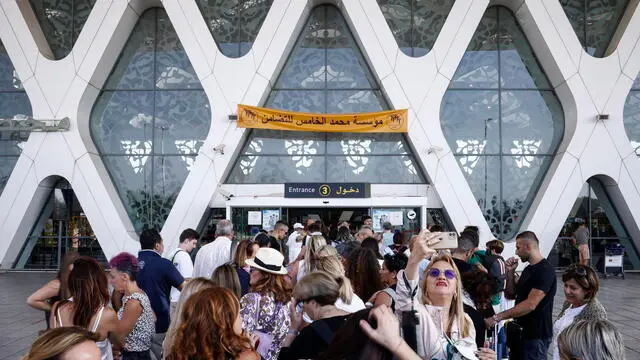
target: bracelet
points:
(292, 332)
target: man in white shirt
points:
(182, 261)
(295, 246)
(216, 253)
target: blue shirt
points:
(156, 277)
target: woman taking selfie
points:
(443, 325)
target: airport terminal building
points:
(120, 115)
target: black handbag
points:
(513, 331)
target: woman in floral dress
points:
(264, 309)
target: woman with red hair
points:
(211, 329)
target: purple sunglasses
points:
(449, 274)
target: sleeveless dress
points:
(106, 352)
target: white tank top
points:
(106, 352)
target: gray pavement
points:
(19, 324)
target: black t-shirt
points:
(462, 266)
(537, 324)
(309, 343)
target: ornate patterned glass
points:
(234, 24)
(632, 116)
(61, 22)
(14, 103)
(150, 120)
(415, 23)
(595, 22)
(325, 73)
(502, 120)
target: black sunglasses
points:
(577, 269)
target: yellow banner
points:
(273, 119)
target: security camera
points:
(226, 195)
(219, 149)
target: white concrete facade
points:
(586, 86)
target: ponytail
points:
(346, 290)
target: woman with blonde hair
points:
(72, 342)
(211, 329)
(264, 311)
(226, 276)
(444, 327)
(318, 293)
(191, 287)
(328, 260)
(308, 264)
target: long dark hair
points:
(88, 286)
(363, 272)
(63, 273)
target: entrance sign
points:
(393, 121)
(327, 190)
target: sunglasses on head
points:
(449, 274)
(577, 269)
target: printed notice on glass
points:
(254, 218)
(396, 218)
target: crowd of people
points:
(354, 294)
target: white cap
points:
(298, 226)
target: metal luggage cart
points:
(614, 259)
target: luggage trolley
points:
(614, 258)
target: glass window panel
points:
(12, 142)
(149, 126)
(234, 24)
(354, 101)
(306, 66)
(277, 169)
(373, 169)
(519, 67)
(309, 67)
(470, 121)
(14, 104)
(134, 68)
(345, 65)
(398, 15)
(632, 119)
(415, 24)
(636, 84)
(173, 68)
(132, 177)
(122, 122)
(602, 20)
(595, 22)
(169, 173)
(366, 144)
(521, 122)
(181, 122)
(273, 142)
(532, 122)
(61, 22)
(479, 65)
(428, 19)
(298, 100)
(483, 176)
(8, 77)
(7, 163)
(521, 175)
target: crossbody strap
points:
(412, 292)
(174, 254)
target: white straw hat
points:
(268, 260)
(298, 226)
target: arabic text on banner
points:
(273, 119)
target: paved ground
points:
(19, 324)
